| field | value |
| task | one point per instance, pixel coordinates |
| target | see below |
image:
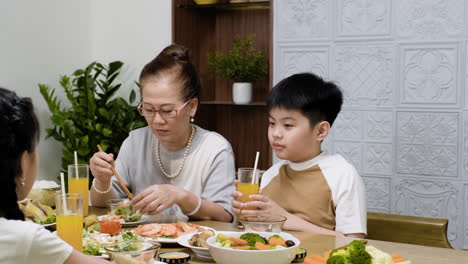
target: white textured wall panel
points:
(402, 67)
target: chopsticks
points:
(129, 194)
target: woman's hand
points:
(261, 205)
(157, 198)
(101, 165)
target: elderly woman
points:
(172, 166)
(21, 241)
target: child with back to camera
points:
(22, 241)
(315, 190)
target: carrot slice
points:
(261, 246)
(238, 241)
(326, 254)
(314, 259)
(275, 241)
(397, 258)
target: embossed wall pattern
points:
(402, 67)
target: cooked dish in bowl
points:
(227, 248)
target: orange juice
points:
(80, 186)
(247, 189)
(70, 229)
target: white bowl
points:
(201, 252)
(237, 256)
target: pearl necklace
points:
(179, 170)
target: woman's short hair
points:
(317, 99)
(174, 59)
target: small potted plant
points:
(243, 64)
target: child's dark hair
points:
(19, 133)
(317, 99)
(174, 59)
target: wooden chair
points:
(408, 229)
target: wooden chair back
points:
(408, 229)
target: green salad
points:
(94, 241)
(128, 213)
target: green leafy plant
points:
(242, 63)
(95, 115)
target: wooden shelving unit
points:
(209, 28)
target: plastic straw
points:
(76, 165)
(255, 167)
(64, 197)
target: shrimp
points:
(168, 230)
(149, 230)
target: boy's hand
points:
(264, 206)
(236, 205)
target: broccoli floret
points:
(356, 246)
(252, 238)
(360, 257)
(339, 252)
(355, 253)
(338, 259)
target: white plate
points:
(143, 220)
(201, 252)
(170, 240)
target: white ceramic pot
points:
(242, 93)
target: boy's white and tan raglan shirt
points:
(326, 191)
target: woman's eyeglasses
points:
(149, 111)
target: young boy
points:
(316, 191)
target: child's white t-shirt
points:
(30, 243)
(348, 203)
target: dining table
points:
(319, 243)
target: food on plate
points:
(90, 220)
(127, 212)
(172, 230)
(252, 241)
(37, 212)
(44, 192)
(94, 241)
(110, 224)
(355, 252)
(199, 239)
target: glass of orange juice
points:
(248, 184)
(69, 212)
(78, 182)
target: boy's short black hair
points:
(317, 99)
